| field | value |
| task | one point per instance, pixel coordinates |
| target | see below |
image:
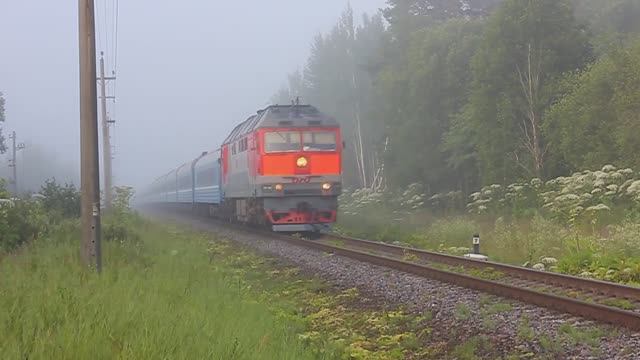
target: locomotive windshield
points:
(279, 141)
(283, 141)
(319, 141)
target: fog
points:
(187, 72)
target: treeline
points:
(456, 95)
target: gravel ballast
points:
(457, 313)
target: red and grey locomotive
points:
(281, 167)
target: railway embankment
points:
(452, 321)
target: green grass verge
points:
(176, 294)
(157, 299)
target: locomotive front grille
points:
(302, 191)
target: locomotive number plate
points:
(301, 180)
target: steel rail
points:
(549, 278)
(564, 304)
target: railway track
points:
(592, 299)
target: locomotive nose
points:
(303, 206)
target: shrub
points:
(121, 223)
(61, 202)
(20, 221)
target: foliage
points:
(585, 198)
(121, 222)
(596, 121)
(60, 201)
(457, 95)
(4, 194)
(21, 221)
(416, 98)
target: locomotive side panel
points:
(237, 185)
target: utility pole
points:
(106, 139)
(14, 163)
(89, 155)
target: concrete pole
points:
(106, 140)
(89, 156)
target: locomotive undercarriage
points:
(306, 213)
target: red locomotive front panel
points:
(292, 152)
(300, 170)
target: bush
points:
(61, 202)
(121, 223)
(21, 221)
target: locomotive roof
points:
(282, 116)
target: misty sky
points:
(188, 71)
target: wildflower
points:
(539, 267)
(599, 207)
(586, 197)
(535, 182)
(567, 198)
(634, 188)
(626, 172)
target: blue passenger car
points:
(206, 179)
(195, 184)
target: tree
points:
(63, 200)
(417, 102)
(3, 145)
(527, 46)
(611, 16)
(598, 120)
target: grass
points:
(589, 336)
(497, 308)
(474, 348)
(176, 294)
(525, 331)
(157, 299)
(462, 312)
(619, 303)
(608, 253)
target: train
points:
(280, 168)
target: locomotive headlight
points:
(302, 161)
(279, 187)
(326, 186)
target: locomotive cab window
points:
(319, 141)
(279, 141)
